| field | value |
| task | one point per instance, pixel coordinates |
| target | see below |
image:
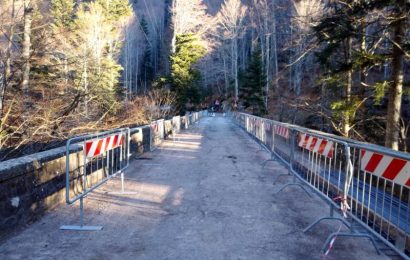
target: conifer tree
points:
(147, 71)
(253, 84)
(184, 76)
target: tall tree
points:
(231, 21)
(26, 49)
(184, 76)
(400, 17)
(146, 73)
(253, 84)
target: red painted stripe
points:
(373, 162)
(395, 166)
(331, 151)
(98, 149)
(362, 152)
(313, 143)
(322, 147)
(121, 138)
(107, 143)
(88, 147)
(306, 141)
(114, 144)
(408, 182)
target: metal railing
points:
(369, 184)
(92, 160)
(98, 158)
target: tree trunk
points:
(26, 49)
(267, 67)
(396, 88)
(7, 63)
(225, 75)
(274, 43)
(235, 66)
(348, 91)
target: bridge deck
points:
(202, 196)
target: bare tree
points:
(231, 21)
(26, 46)
(188, 16)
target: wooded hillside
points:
(70, 66)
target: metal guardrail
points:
(368, 183)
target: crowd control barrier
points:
(369, 184)
(100, 157)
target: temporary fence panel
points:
(368, 183)
(379, 194)
(98, 158)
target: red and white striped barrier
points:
(394, 169)
(154, 126)
(282, 131)
(316, 145)
(97, 147)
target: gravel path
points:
(203, 195)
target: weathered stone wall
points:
(31, 185)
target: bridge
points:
(207, 192)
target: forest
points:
(69, 67)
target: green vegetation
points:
(252, 85)
(184, 78)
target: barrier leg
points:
(294, 183)
(122, 182)
(330, 217)
(81, 227)
(336, 234)
(122, 192)
(272, 159)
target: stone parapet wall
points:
(33, 184)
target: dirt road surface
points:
(203, 195)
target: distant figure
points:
(217, 105)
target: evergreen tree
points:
(348, 48)
(184, 77)
(253, 83)
(146, 71)
(63, 12)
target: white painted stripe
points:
(92, 149)
(317, 145)
(111, 144)
(382, 166)
(302, 139)
(403, 175)
(365, 159)
(104, 143)
(328, 148)
(309, 142)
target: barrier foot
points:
(294, 184)
(280, 175)
(81, 227)
(326, 218)
(336, 234)
(263, 164)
